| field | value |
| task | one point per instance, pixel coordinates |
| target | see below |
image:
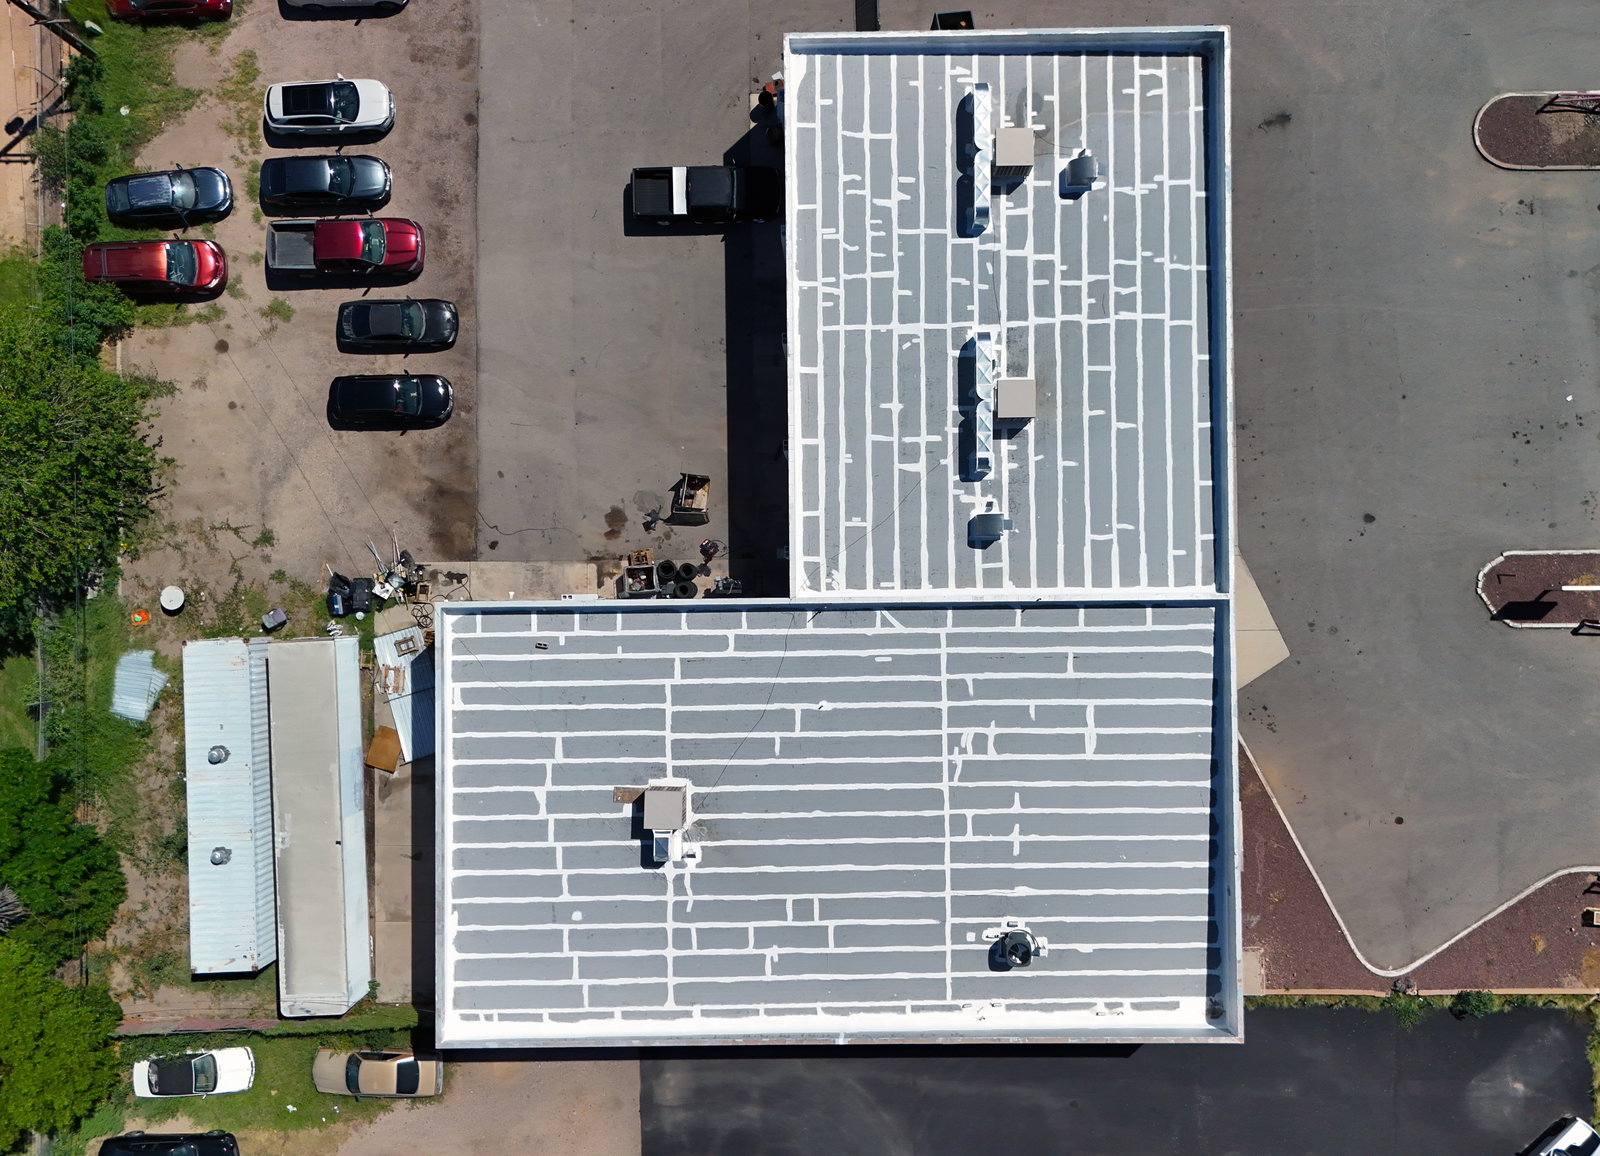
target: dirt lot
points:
(248, 425)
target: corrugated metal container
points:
(405, 675)
(227, 767)
(137, 685)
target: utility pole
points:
(59, 27)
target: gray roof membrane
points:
(870, 790)
(1101, 301)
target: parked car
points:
(182, 196)
(1568, 1136)
(329, 107)
(409, 326)
(707, 193)
(157, 266)
(195, 1073)
(213, 1143)
(170, 9)
(382, 7)
(341, 184)
(383, 245)
(390, 401)
(397, 1073)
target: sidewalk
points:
(37, 58)
(403, 800)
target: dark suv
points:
(213, 1143)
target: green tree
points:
(56, 1057)
(76, 470)
(61, 870)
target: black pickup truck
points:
(707, 193)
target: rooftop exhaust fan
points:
(1013, 945)
(1079, 175)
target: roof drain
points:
(978, 129)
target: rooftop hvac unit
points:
(980, 131)
(1013, 152)
(1015, 401)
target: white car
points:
(1568, 1136)
(329, 107)
(195, 1074)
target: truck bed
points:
(291, 245)
(652, 192)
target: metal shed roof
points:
(870, 791)
(1113, 304)
(232, 921)
(319, 825)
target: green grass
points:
(18, 684)
(283, 1079)
(278, 310)
(17, 277)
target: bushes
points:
(61, 870)
(56, 1059)
(76, 474)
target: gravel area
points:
(1526, 587)
(549, 1107)
(1512, 132)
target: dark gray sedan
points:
(338, 184)
(390, 401)
(179, 197)
(411, 326)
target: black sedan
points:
(182, 196)
(409, 326)
(390, 401)
(343, 184)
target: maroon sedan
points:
(170, 9)
(158, 266)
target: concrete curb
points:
(1484, 153)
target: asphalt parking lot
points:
(249, 423)
(1310, 1081)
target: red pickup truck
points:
(382, 245)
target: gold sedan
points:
(397, 1073)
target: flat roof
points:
(1113, 304)
(319, 825)
(870, 790)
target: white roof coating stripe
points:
(1106, 302)
(871, 789)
